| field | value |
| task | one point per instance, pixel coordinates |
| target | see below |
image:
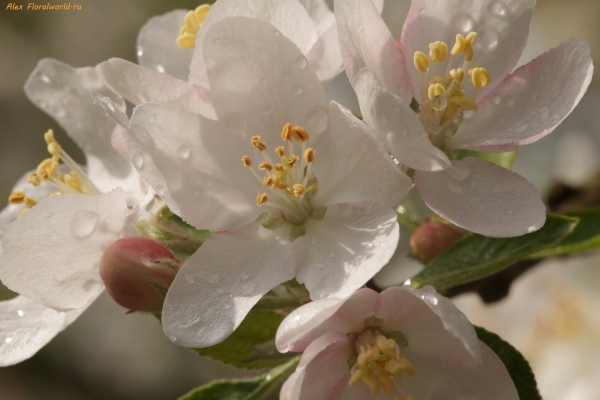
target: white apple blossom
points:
(404, 344)
(468, 99)
(50, 253)
(322, 212)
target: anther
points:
(261, 199)
(247, 161)
(480, 77)
(49, 136)
(458, 75)
(436, 89)
(54, 149)
(192, 22)
(421, 61)
(464, 45)
(309, 155)
(265, 166)
(24, 211)
(47, 168)
(258, 143)
(34, 179)
(16, 198)
(280, 151)
(73, 181)
(300, 134)
(278, 167)
(298, 189)
(293, 160)
(438, 51)
(268, 181)
(286, 133)
(464, 102)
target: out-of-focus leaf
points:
(243, 389)
(475, 256)
(518, 368)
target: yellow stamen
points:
(24, 211)
(438, 51)
(464, 103)
(258, 143)
(16, 198)
(370, 382)
(261, 199)
(280, 151)
(48, 167)
(458, 75)
(54, 149)
(279, 167)
(309, 155)
(267, 181)
(436, 89)
(265, 166)
(73, 181)
(193, 20)
(480, 77)
(464, 45)
(247, 161)
(298, 189)
(34, 179)
(300, 134)
(286, 133)
(49, 136)
(421, 61)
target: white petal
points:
(64, 93)
(482, 197)
(432, 325)
(157, 48)
(287, 16)
(26, 327)
(307, 323)
(366, 42)
(319, 12)
(261, 81)
(396, 125)
(144, 85)
(350, 161)
(502, 29)
(489, 380)
(195, 166)
(340, 253)
(219, 284)
(51, 254)
(326, 374)
(325, 57)
(530, 103)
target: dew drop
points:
(496, 99)
(138, 160)
(320, 266)
(213, 278)
(439, 103)
(510, 212)
(160, 68)
(147, 258)
(454, 187)
(435, 129)
(140, 51)
(314, 241)
(189, 278)
(522, 127)
(173, 338)
(421, 11)
(464, 23)
(84, 223)
(459, 118)
(8, 339)
(276, 33)
(489, 40)
(183, 152)
(429, 289)
(20, 313)
(45, 78)
(298, 90)
(498, 9)
(160, 189)
(301, 62)
(61, 113)
(531, 229)
(152, 117)
(331, 254)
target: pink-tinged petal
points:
(52, 253)
(157, 48)
(396, 125)
(489, 380)
(26, 327)
(366, 42)
(349, 162)
(529, 103)
(326, 375)
(483, 198)
(307, 323)
(288, 17)
(325, 57)
(63, 93)
(141, 85)
(432, 325)
(219, 284)
(340, 253)
(261, 81)
(502, 28)
(195, 166)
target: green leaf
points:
(505, 160)
(243, 389)
(252, 345)
(475, 256)
(518, 368)
(585, 237)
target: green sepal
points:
(243, 389)
(518, 368)
(475, 256)
(505, 160)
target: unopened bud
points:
(137, 273)
(433, 238)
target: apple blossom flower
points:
(50, 254)
(467, 97)
(404, 344)
(319, 207)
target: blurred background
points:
(108, 355)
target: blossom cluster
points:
(232, 133)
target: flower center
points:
(379, 360)
(191, 25)
(75, 182)
(443, 100)
(290, 181)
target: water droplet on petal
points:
(496, 99)
(147, 258)
(498, 9)
(331, 254)
(140, 51)
(531, 229)
(298, 90)
(421, 11)
(301, 62)
(138, 160)
(276, 33)
(183, 152)
(439, 103)
(320, 266)
(464, 23)
(510, 212)
(20, 313)
(152, 117)
(454, 187)
(45, 78)
(429, 289)
(522, 127)
(173, 338)
(435, 129)
(8, 339)
(189, 278)
(459, 118)
(83, 223)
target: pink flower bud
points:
(433, 238)
(138, 272)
